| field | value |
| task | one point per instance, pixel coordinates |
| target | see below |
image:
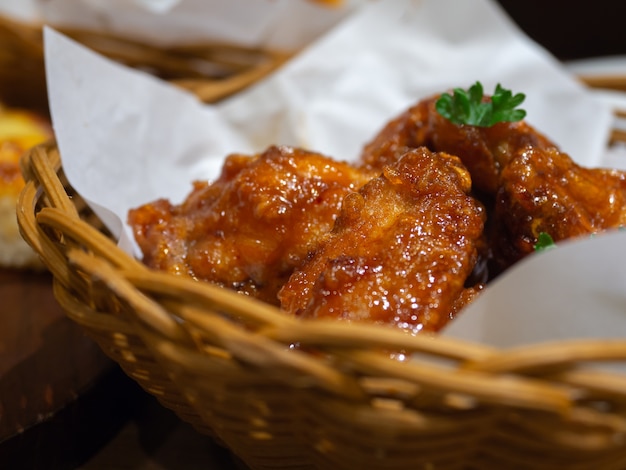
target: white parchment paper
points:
(127, 138)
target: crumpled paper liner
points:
(127, 138)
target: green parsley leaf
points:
(468, 106)
(544, 242)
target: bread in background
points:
(19, 131)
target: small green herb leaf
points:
(544, 242)
(468, 106)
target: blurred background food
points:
(19, 131)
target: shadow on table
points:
(156, 439)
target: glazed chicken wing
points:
(483, 150)
(400, 252)
(250, 228)
(526, 183)
(546, 191)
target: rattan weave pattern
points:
(285, 393)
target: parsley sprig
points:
(468, 106)
(544, 242)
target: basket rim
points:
(41, 167)
(194, 345)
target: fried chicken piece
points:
(401, 249)
(256, 223)
(544, 190)
(485, 151)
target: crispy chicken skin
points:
(407, 236)
(546, 191)
(250, 228)
(400, 252)
(526, 183)
(485, 151)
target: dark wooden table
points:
(65, 405)
(155, 439)
(61, 399)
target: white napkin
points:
(574, 291)
(127, 138)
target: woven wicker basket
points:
(211, 71)
(291, 394)
(285, 393)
